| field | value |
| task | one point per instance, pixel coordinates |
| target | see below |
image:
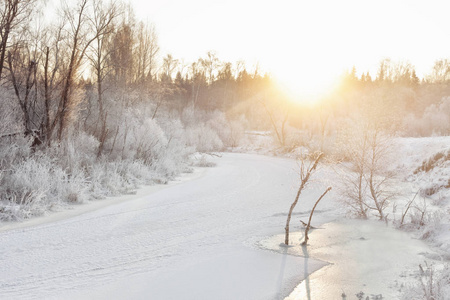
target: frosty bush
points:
(230, 131)
(413, 126)
(433, 284)
(434, 121)
(121, 177)
(189, 116)
(220, 130)
(305, 138)
(9, 113)
(107, 180)
(201, 160)
(14, 151)
(177, 152)
(17, 207)
(295, 138)
(139, 148)
(203, 138)
(36, 185)
(69, 171)
(437, 118)
(431, 223)
(77, 151)
(148, 142)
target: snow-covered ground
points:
(364, 256)
(194, 240)
(215, 234)
(433, 184)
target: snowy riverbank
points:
(192, 238)
(216, 233)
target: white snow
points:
(70, 211)
(365, 256)
(196, 239)
(413, 151)
(215, 234)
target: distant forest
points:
(90, 107)
(94, 57)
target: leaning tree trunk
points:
(312, 212)
(304, 179)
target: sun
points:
(306, 86)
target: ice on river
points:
(215, 236)
(192, 240)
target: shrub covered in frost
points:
(434, 121)
(77, 151)
(13, 151)
(432, 284)
(203, 138)
(212, 131)
(230, 131)
(136, 146)
(38, 184)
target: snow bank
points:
(425, 165)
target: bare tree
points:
(210, 63)
(368, 145)
(354, 183)
(278, 116)
(168, 67)
(81, 36)
(122, 58)
(305, 173)
(146, 52)
(240, 67)
(384, 71)
(198, 80)
(440, 71)
(22, 68)
(226, 72)
(101, 22)
(13, 15)
(52, 78)
(377, 179)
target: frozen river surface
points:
(211, 237)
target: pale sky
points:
(303, 41)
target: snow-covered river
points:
(212, 237)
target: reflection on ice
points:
(366, 258)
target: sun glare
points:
(306, 88)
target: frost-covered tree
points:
(101, 21)
(14, 14)
(168, 67)
(146, 52)
(369, 142)
(440, 71)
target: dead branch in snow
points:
(312, 212)
(305, 174)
